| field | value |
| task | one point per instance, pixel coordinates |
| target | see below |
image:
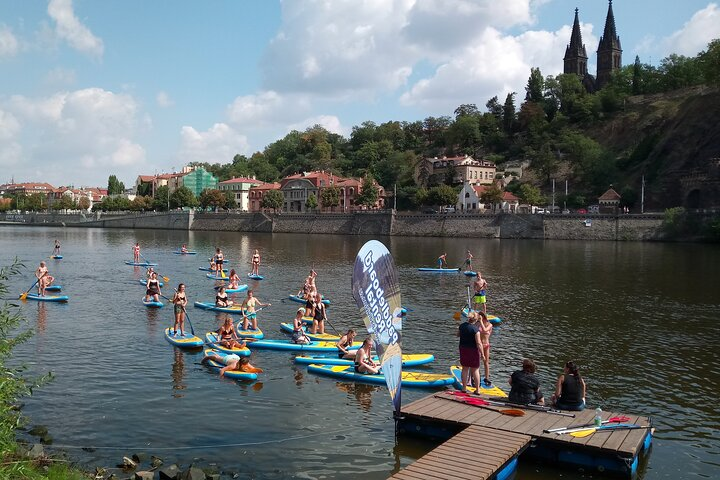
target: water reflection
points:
(178, 373)
(298, 376)
(361, 391)
(41, 318)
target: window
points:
(474, 205)
(467, 194)
(352, 191)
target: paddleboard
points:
(408, 360)
(207, 269)
(140, 264)
(249, 333)
(408, 379)
(57, 257)
(144, 282)
(53, 288)
(187, 340)
(216, 277)
(185, 253)
(491, 318)
(240, 288)
(255, 277)
(236, 374)
(299, 299)
(327, 347)
(325, 337)
(48, 298)
(469, 273)
(438, 270)
(152, 303)
(212, 337)
(211, 306)
(493, 391)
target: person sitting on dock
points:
(570, 389)
(249, 313)
(345, 343)
(234, 279)
(525, 385)
(44, 278)
(442, 261)
(221, 298)
(227, 336)
(363, 360)
(298, 333)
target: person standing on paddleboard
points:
(152, 288)
(479, 298)
(56, 250)
(319, 315)
(249, 313)
(442, 260)
(255, 263)
(468, 261)
(44, 278)
(219, 260)
(345, 343)
(179, 301)
(471, 351)
(136, 253)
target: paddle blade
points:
(166, 279)
(513, 412)
(618, 419)
(583, 433)
(457, 315)
(23, 296)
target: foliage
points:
(212, 198)
(369, 193)
(530, 194)
(141, 203)
(442, 195)
(311, 203)
(330, 197)
(674, 221)
(115, 186)
(229, 199)
(710, 62)
(273, 199)
(492, 195)
(534, 91)
(184, 197)
(162, 198)
(83, 203)
(64, 203)
(508, 113)
(112, 204)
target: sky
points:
(90, 88)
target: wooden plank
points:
(417, 407)
(597, 440)
(633, 442)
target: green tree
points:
(464, 134)
(495, 108)
(466, 110)
(442, 195)
(311, 203)
(330, 197)
(530, 194)
(369, 193)
(212, 198)
(37, 202)
(64, 203)
(115, 186)
(162, 198)
(262, 168)
(84, 203)
(637, 76)
(230, 202)
(273, 199)
(534, 91)
(508, 110)
(492, 195)
(184, 197)
(710, 62)
(450, 174)
(141, 203)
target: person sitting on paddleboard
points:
(179, 302)
(153, 288)
(183, 249)
(468, 261)
(56, 250)
(485, 328)
(345, 343)
(249, 312)
(319, 315)
(442, 260)
(525, 385)
(213, 267)
(227, 336)
(298, 334)
(479, 299)
(234, 279)
(221, 298)
(255, 263)
(570, 389)
(219, 260)
(44, 278)
(136, 253)
(363, 360)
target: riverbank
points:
(503, 226)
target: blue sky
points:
(90, 88)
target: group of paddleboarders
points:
(467, 264)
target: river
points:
(641, 320)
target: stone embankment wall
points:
(549, 227)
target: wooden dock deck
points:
(459, 457)
(616, 451)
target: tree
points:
(450, 174)
(64, 203)
(212, 198)
(535, 87)
(530, 194)
(466, 110)
(311, 203)
(369, 194)
(37, 202)
(162, 198)
(442, 195)
(508, 112)
(465, 134)
(710, 62)
(141, 203)
(184, 197)
(494, 107)
(330, 197)
(492, 195)
(115, 186)
(273, 199)
(84, 203)
(229, 199)
(637, 76)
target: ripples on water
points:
(640, 319)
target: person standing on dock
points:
(471, 350)
(479, 298)
(136, 253)
(255, 263)
(442, 261)
(56, 250)
(525, 385)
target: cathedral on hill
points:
(609, 53)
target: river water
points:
(641, 320)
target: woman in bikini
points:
(234, 279)
(219, 260)
(152, 288)
(227, 336)
(179, 302)
(298, 334)
(485, 328)
(363, 360)
(255, 263)
(136, 253)
(249, 313)
(221, 298)
(44, 278)
(345, 343)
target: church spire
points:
(609, 52)
(575, 53)
(610, 37)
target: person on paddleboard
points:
(255, 263)
(183, 249)
(152, 288)
(227, 336)
(219, 260)
(136, 252)
(468, 261)
(298, 334)
(179, 301)
(230, 361)
(479, 286)
(345, 343)
(442, 261)
(44, 278)
(221, 298)
(525, 385)
(56, 250)
(485, 328)
(569, 390)
(308, 287)
(363, 359)
(234, 279)
(319, 315)
(149, 272)
(249, 313)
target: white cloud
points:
(218, 144)
(10, 149)
(60, 76)
(69, 28)
(694, 36)
(8, 43)
(331, 123)
(163, 100)
(90, 132)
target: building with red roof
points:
(470, 199)
(240, 187)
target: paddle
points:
(165, 279)
(576, 428)
(23, 296)
(479, 402)
(457, 315)
(187, 317)
(608, 428)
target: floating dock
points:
(442, 416)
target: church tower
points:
(575, 54)
(609, 52)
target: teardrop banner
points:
(376, 291)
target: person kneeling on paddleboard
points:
(345, 343)
(363, 362)
(298, 335)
